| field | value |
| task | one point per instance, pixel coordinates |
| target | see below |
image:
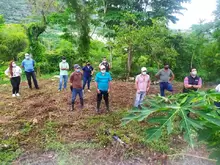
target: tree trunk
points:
(129, 62)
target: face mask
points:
(104, 61)
(194, 73)
(78, 70)
(166, 68)
(144, 73)
(13, 64)
(27, 57)
(103, 71)
(63, 60)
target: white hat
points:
(143, 69)
(102, 67)
(26, 54)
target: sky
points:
(196, 10)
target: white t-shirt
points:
(218, 88)
(16, 71)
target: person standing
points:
(103, 85)
(28, 64)
(192, 82)
(142, 84)
(105, 63)
(64, 67)
(165, 76)
(14, 73)
(76, 85)
(87, 75)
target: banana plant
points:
(192, 112)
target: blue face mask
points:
(78, 70)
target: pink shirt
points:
(142, 82)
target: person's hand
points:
(147, 89)
(98, 91)
(138, 91)
(108, 90)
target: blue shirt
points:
(28, 65)
(87, 71)
(103, 80)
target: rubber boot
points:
(98, 106)
(72, 107)
(107, 105)
(82, 104)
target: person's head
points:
(102, 69)
(88, 63)
(104, 60)
(11, 65)
(76, 68)
(143, 70)
(63, 59)
(193, 72)
(27, 56)
(166, 66)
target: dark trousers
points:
(76, 92)
(33, 75)
(99, 99)
(165, 86)
(86, 80)
(15, 82)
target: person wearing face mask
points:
(105, 63)
(28, 64)
(142, 85)
(103, 85)
(192, 82)
(87, 75)
(76, 85)
(64, 67)
(14, 73)
(165, 76)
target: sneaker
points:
(17, 94)
(89, 90)
(13, 95)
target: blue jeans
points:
(165, 86)
(139, 98)
(76, 92)
(87, 80)
(63, 78)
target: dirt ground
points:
(39, 106)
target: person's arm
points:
(71, 79)
(20, 70)
(96, 83)
(67, 66)
(158, 75)
(92, 72)
(7, 72)
(136, 84)
(199, 84)
(148, 84)
(186, 83)
(172, 76)
(33, 63)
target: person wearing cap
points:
(165, 76)
(142, 85)
(192, 82)
(64, 67)
(103, 85)
(105, 63)
(87, 75)
(28, 64)
(76, 85)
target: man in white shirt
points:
(64, 67)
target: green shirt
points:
(64, 65)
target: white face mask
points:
(63, 60)
(194, 73)
(27, 57)
(13, 64)
(103, 71)
(78, 70)
(144, 73)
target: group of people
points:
(102, 81)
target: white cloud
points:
(196, 10)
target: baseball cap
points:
(143, 69)
(76, 66)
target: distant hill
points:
(14, 11)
